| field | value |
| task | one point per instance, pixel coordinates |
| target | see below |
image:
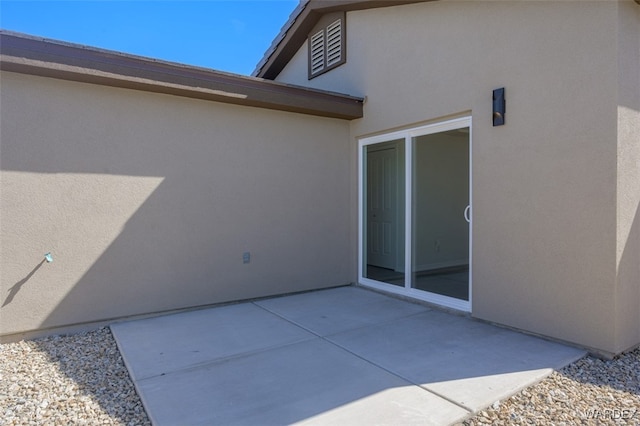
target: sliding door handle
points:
(466, 214)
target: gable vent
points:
(317, 52)
(334, 43)
(326, 45)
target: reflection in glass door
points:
(384, 180)
(415, 213)
(440, 232)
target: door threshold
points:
(420, 295)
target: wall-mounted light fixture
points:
(499, 105)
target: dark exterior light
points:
(499, 105)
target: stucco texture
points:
(147, 202)
(628, 193)
(555, 191)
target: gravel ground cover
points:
(81, 380)
(67, 380)
(590, 391)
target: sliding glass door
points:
(415, 213)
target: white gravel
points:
(81, 380)
(67, 380)
(590, 391)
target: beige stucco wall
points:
(628, 193)
(545, 220)
(147, 202)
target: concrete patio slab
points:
(339, 309)
(168, 343)
(312, 382)
(338, 356)
(466, 361)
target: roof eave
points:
(47, 58)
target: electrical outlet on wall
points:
(246, 257)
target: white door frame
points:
(408, 135)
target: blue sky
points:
(227, 35)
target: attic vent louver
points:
(317, 52)
(334, 43)
(327, 47)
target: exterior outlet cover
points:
(246, 257)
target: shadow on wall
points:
(13, 290)
(148, 202)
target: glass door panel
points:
(383, 215)
(440, 213)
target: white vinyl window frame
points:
(409, 136)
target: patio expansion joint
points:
(420, 386)
(224, 359)
(328, 340)
(390, 320)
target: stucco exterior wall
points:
(544, 185)
(628, 193)
(148, 201)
